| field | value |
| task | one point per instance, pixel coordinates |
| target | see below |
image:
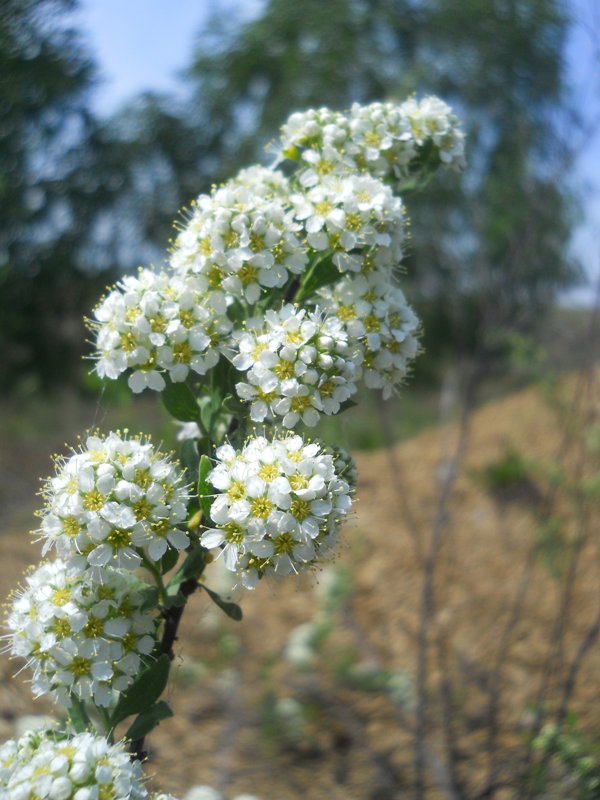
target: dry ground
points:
(356, 744)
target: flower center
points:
(93, 501)
(61, 597)
(268, 472)
(284, 370)
(261, 507)
(300, 509)
(80, 666)
(93, 628)
(237, 491)
(119, 538)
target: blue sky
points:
(143, 44)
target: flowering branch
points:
(279, 297)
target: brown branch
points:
(172, 618)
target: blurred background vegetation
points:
(86, 197)
(461, 621)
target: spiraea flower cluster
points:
(357, 218)
(278, 506)
(379, 323)
(278, 296)
(383, 139)
(47, 766)
(297, 367)
(154, 324)
(81, 638)
(241, 241)
(114, 503)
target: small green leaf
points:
(322, 274)
(180, 402)
(194, 563)
(204, 487)
(77, 716)
(191, 567)
(148, 720)
(174, 599)
(144, 691)
(346, 405)
(189, 459)
(169, 560)
(231, 609)
(150, 600)
(207, 414)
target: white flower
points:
(241, 239)
(48, 766)
(386, 140)
(278, 507)
(355, 216)
(261, 181)
(379, 323)
(154, 324)
(115, 502)
(78, 636)
(298, 367)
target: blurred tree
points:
(489, 247)
(47, 190)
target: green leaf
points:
(322, 274)
(346, 405)
(148, 720)
(180, 402)
(144, 691)
(207, 413)
(77, 716)
(189, 459)
(204, 487)
(194, 563)
(169, 560)
(191, 567)
(150, 600)
(174, 599)
(231, 609)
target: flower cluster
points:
(241, 240)
(357, 218)
(44, 766)
(298, 367)
(278, 506)
(267, 183)
(155, 324)
(344, 465)
(114, 503)
(379, 322)
(384, 139)
(80, 637)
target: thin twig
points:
(427, 592)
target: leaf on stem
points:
(322, 274)
(169, 560)
(77, 715)
(191, 568)
(189, 459)
(148, 720)
(150, 600)
(232, 610)
(144, 691)
(204, 488)
(180, 402)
